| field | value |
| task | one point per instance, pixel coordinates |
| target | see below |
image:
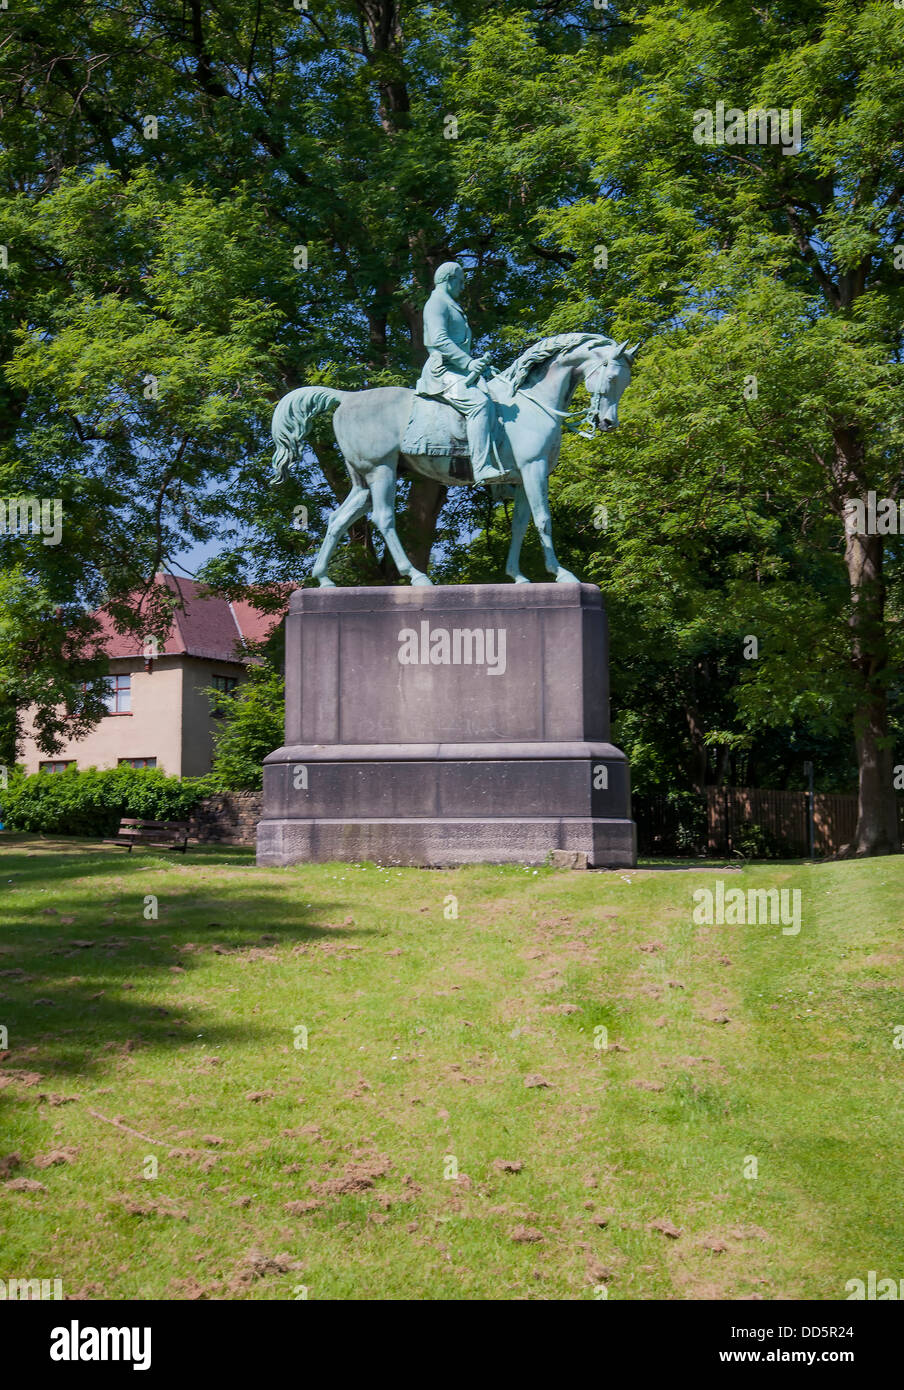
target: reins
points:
(590, 416)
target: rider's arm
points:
(436, 339)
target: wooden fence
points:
(754, 821)
(781, 817)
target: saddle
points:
(435, 430)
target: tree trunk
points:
(877, 818)
(700, 752)
(418, 525)
(877, 812)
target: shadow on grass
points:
(716, 865)
(72, 851)
(84, 975)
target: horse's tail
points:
(291, 419)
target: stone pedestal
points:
(450, 725)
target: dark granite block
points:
(447, 725)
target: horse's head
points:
(607, 371)
(557, 364)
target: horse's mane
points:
(520, 369)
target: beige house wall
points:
(198, 724)
(170, 720)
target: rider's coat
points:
(447, 336)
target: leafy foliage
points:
(571, 185)
(92, 802)
(767, 289)
(252, 726)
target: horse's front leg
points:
(520, 520)
(535, 479)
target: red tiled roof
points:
(254, 625)
(204, 626)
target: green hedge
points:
(92, 802)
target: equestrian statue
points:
(464, 425)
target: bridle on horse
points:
(591, 416)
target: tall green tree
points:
(142, 375)
(233, 200)
(228, 200)
(768, 288)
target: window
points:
(57, 766)
(138, 762)
(118, 694)
(224, 688)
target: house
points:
(159, 711)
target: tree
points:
(257, 197)
(219, 203)
(252, 726)
(140, 369)
(340, 118)
(768, 288)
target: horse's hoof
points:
(325, 583)
(520, 578)
(566, 577)
(420, 581)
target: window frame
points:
(219, 696)
(113, 691)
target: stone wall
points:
(228, 817)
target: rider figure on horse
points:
(453, 375)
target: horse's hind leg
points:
(345, 515)
(382, 482)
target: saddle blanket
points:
(436, 430)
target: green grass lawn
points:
(439, 1044)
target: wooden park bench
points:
(157, 834)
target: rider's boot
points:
(483, 462)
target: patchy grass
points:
(434, 1040)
